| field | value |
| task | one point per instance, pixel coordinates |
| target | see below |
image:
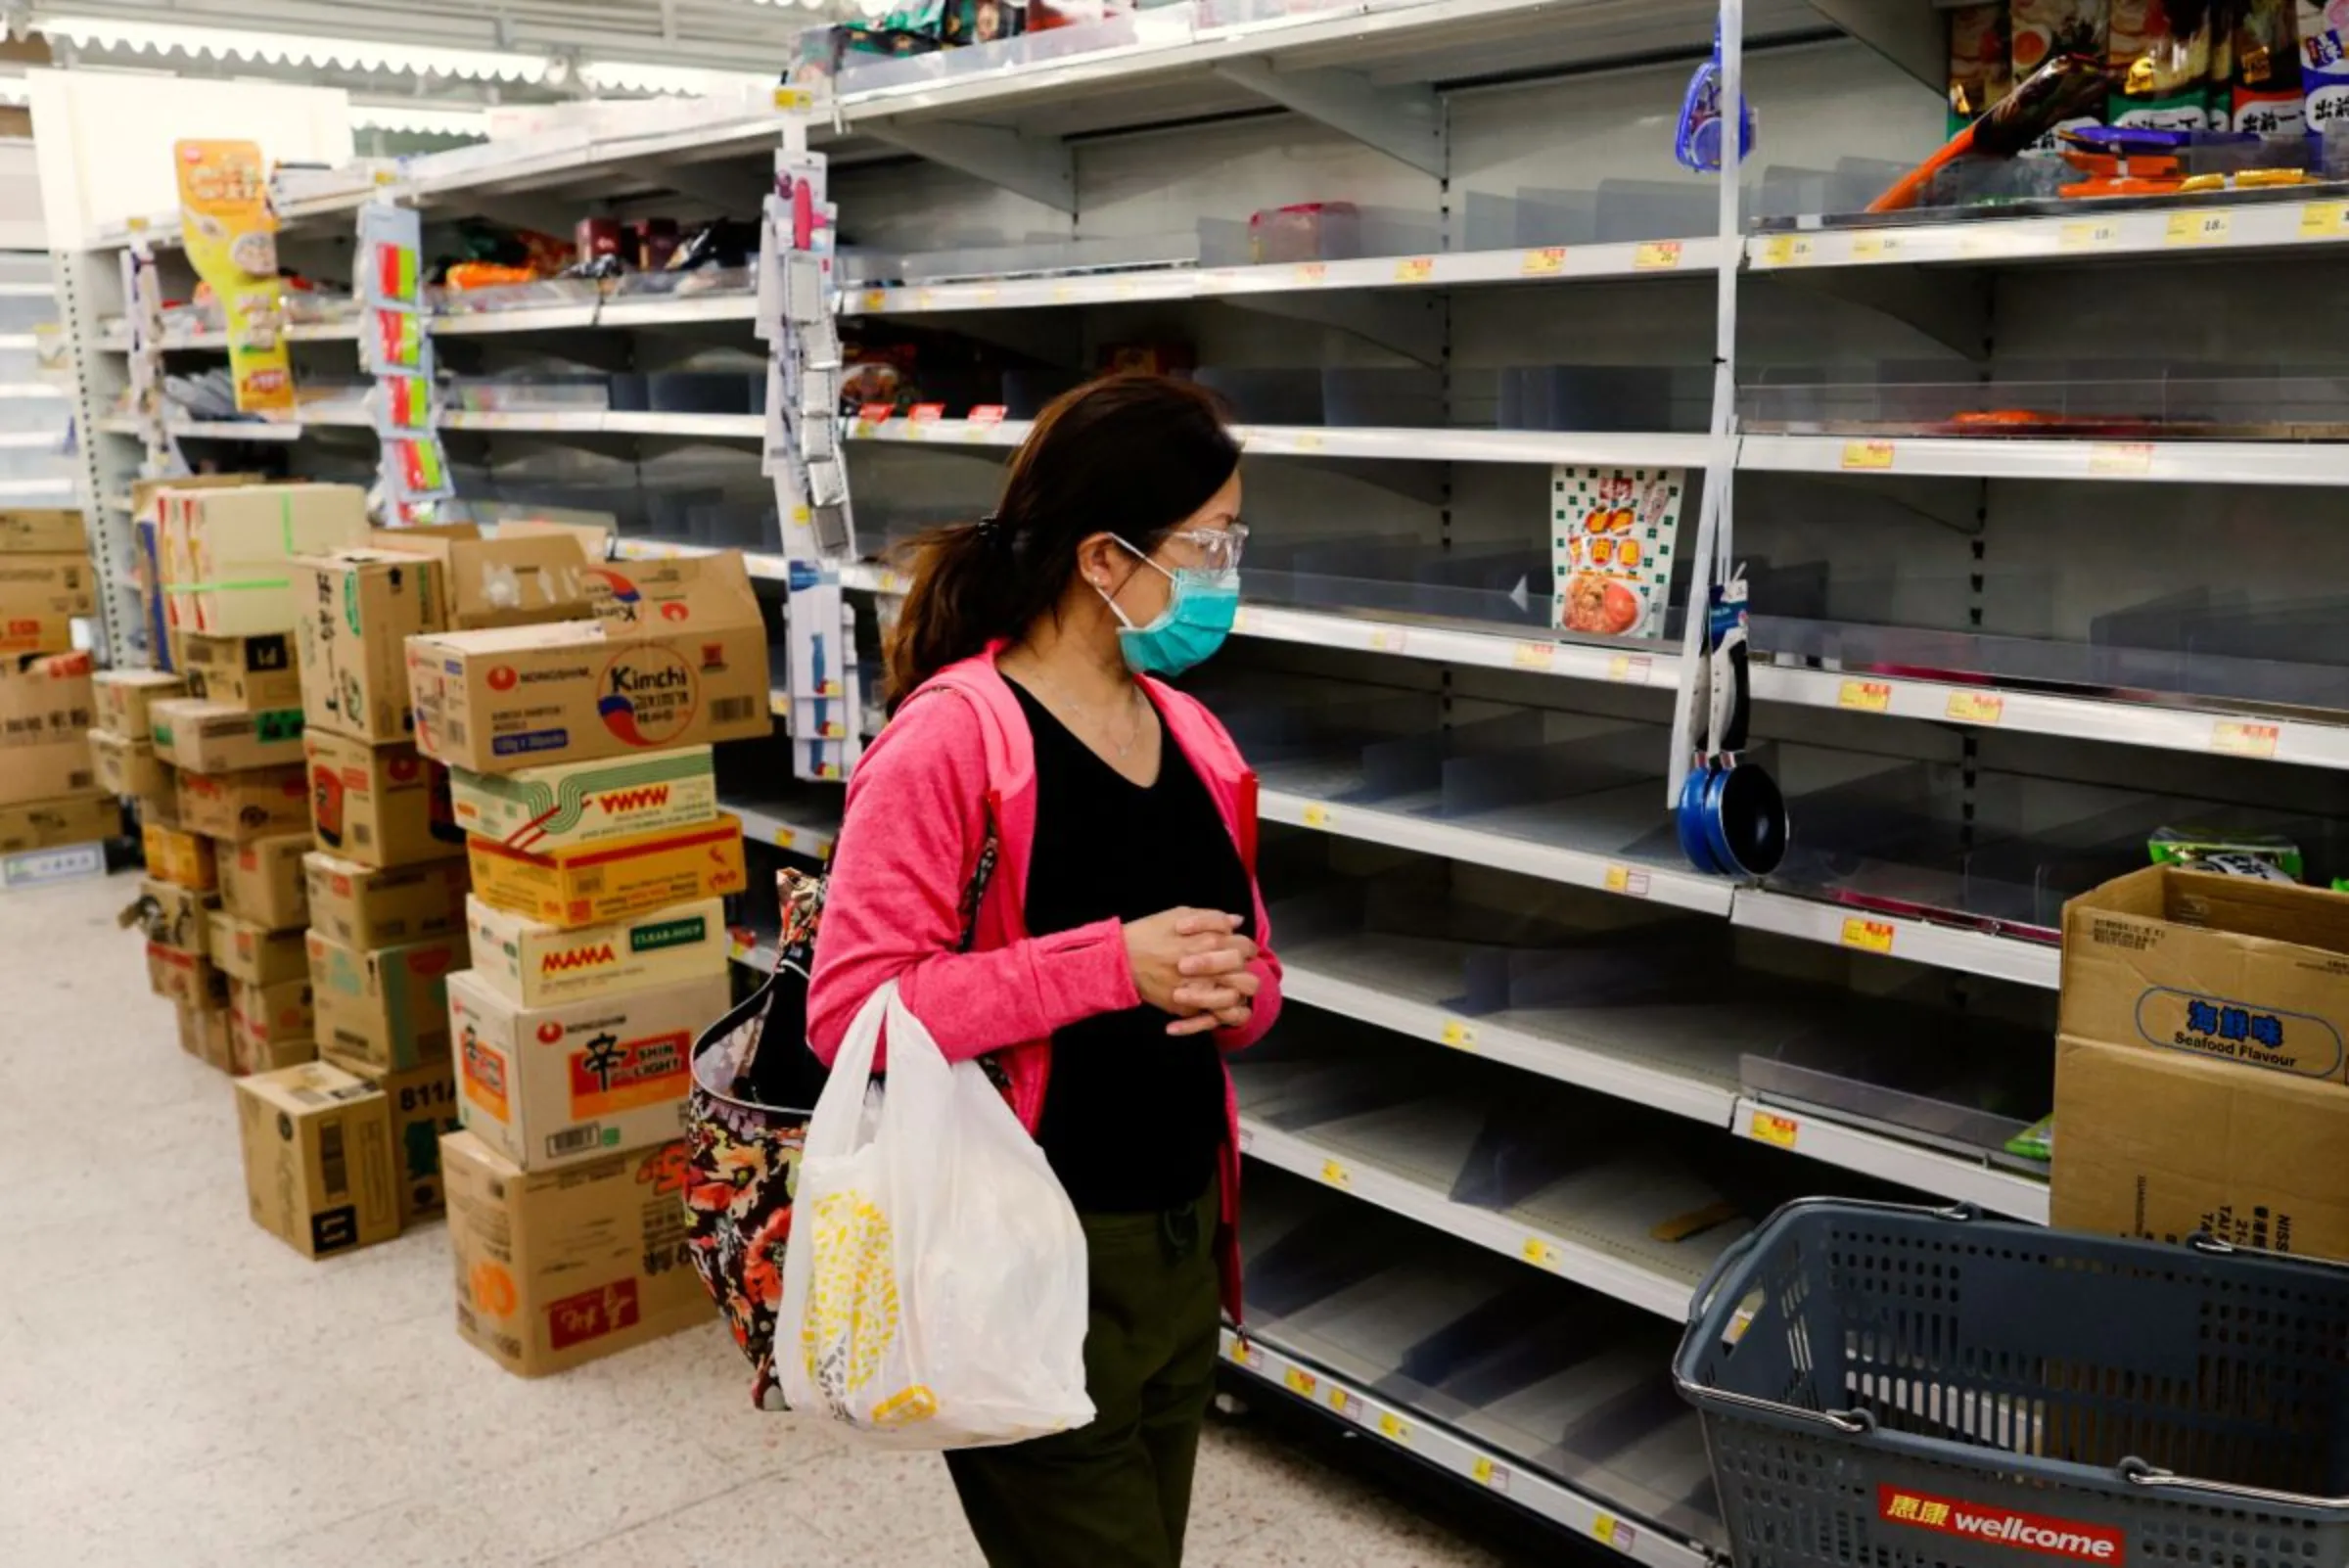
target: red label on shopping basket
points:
(2003, 1527)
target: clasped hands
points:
(1193, 963)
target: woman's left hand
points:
(1218, 988)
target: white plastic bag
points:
(934, 1291)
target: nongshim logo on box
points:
(2003, 1527)
(648, 696)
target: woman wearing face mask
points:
(1052, 854)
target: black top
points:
(1132, 1116)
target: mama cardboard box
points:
(556, 1269)
(691, 671)
(607, 882)
(538, 965)
(384, 1009)
(318, 1158)
(567, 805)
(549, 1086)
(253, 802)
(381, 805)
(362, 907)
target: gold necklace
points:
(1091, 716)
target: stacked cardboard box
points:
(600, 867)
(50, 794)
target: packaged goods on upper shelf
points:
(318, 1167)
(2160, 55)
(524, 576)
(198, 735)
(179, 855)
(261, 881)
(254, 954)
(2200, 1074)
(50, 824)
(362, 907)
(1980, 70)
(548, 1087)
(226, 552)
(2268, 855)
(600, 882)
(567, 805)
(533, 964)
(43, 530)
(381, 805)
(123, 696)
(46, 706)
(121, 766)
(383, 1008)
(656, 673)
(557, 1269)
(258, 673)
(2323, 34)
(249, 804)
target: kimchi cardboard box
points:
(2236, 969)
(227, 553)
(271, 1026)
(318, 1168)
(260, 675)
(691, 671)
(362, 907)
(121, 766)
(255, 955)
(43, 530)
(198, 735)
(45, 712)
(607, 882)
(548, 1085)
(381, 805)
(253, 802)
(511, 580)
(179, 855)
(383, 1009)
(536, 965)
(263, 881)
(358, 609)
(560, 1267)
(567, 805)
(123, 696)
(52, 824)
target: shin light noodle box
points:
(318, 1158)
(558, 1269)
(561, 807)
(550, 1085)
(536, 965)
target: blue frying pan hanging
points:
(1731, 818)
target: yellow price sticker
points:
(1869, 936)
(2121, 457)
(1394, 1428)
(1547, 263)
(1459, 1036)
(1317, 816)
(1976, 706)
(1867, 455)
(2233, 738)
(1342, 1400)
(1488, 1474)
(1626, 881)
(1308, 441)
(1540, 1254)
(785, 838)
(2324, 220)
(1876, 246)
(1779, 1132)
(876, 299)
(1865, 696)
(1614, 1531)
(1415, 269)
(2198, 228)
(1789, 251)
(1300, 1381)
(1657, 256)
(1336, 1175)
(1536, 655)
(1630, 667)
(891, 582)
(1386, 640)
(2088, 236)
(794, 98)
(1312, 274)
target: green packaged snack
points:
(2035, 1141)
(2268, 855)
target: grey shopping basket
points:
(1925, 1388)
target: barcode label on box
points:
(334, 1169)
(574, 1139)
(732, 709)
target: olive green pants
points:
(1115, 1494)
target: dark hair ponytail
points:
(1130, 455)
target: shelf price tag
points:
(1317, 816)
(2324, 220)
(1306, 441)
(1540, 1254)
(1312, 274)
(1626, 881)
(2233, 738)
(1629, 666)
(1345, 1402)
(1547, 263)
(2088, 236)
(1866, 696)
(2198, 228)
(875, 300)
(1297, 1380)
(1869, 936)
(1867, 456)
(785, 838)
(1386, 640)
(2121, 457)
(1243, 621)
(1415, 269)
(1336, 1174)
(1657, 256)
(1789, 251)
(1394, 1428)
(1976, 706)
(1458, 1034)
(1779, 1132)
(1536, 655)
(1614, 1531)
(1485, 1473)
(1247, 1355)
(1876, 246)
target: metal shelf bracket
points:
(1042, 171)
(1404, 122)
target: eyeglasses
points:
(1210, 549)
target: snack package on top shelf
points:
(965, 22)
(2264, 90)
(2160, 57)
(1309, 231)
(2042, 30)
(2323, 34)
(1980, 73)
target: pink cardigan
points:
(918, 808)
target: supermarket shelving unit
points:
(1943, 808)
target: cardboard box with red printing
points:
(606, 882)
(559, 1269)
(362, 907)
(226, 552)
(123, 696)
(46, 707)
(185, 977)
(688, 670)
(39, 597)
(380, 805)
(204, 1034)
(255, 955)
(262, 882)
(270, 1027)
(179, 855)
(43, 530)
(254, 803)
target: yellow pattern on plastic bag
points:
(851, 1316)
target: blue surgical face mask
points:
(1197, 619)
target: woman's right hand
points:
(1156, 947)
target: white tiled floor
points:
(178, 1390)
